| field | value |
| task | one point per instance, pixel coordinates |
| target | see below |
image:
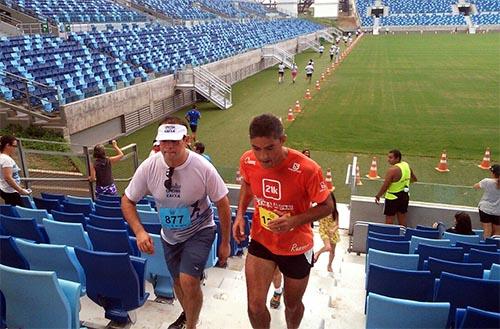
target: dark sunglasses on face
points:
(168, 180)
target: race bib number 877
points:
(174, 218)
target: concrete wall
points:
(326, 8)
(103, 117)
(419, 213)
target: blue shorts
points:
(190, 256)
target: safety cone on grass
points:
(443, 163)
(328, 72)
(372, 174)
(486, 163)
(308, 94)
(358, 177)
(329, 180)
(238, 176)
(297, 107)
(290, 115)
(322, 77)
(318, 87)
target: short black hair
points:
(6, 140)
(266, 125)
(396, 153)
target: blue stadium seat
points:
(157, 271)
(50, 257)
(437, 266)
(405, 284)
(83, 208)
(428, 234)
(112, 241)
(10, 255)
(384, 229)
(461, 291)
(69, 234)
(472, 317)
(453, 254)
(52, 303)
(479, 246)
(454, 238)
(416, 240)
(52, 196)
(401, 247)
(110, 223)
(25, 228)
(148, 216)
(382, 236)
(8, 210)
(69, 217)
(115, 281)
(108, 211)
(484, 257)
(387, 312)
(37, 214)
(47, 204)
(493, 273)
(392, 260)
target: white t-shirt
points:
(309, 69)
(7, 162)
(490, 201)
(321, 49)
(281, 68)
(332, 50)
(194, 184)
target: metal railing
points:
(24, 102)
(66, 168)
(309, 43)
(280, 54)
(9, 20)
(207, 84)
(325, 35)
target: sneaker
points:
(275, 300)
(180, 323)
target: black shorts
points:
(487, 218)
(14, 199)
(399, 205)
(281, 73)
(193, 128)
(295, 267)
(309, 75)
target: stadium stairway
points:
(332, 300)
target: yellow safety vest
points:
(402, 183)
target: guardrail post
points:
(22, 160)
(87, 165)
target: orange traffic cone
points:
(358, 177)
(486, 163)
(443, 163)
(308, 94)
(322, 77)
(328, 72)
(373, 170)
(290, 115)
(238, 176)
(318, 87)
(297, 107)
(333, 65)
(329, 180)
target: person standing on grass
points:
(193, 116)
(332, 52)
(283, 183)
(309, 71)
(281, 72)
(10, 180)
(489, 205)
(321, 50)
(294, 72)
(183, 185)
(396, 188)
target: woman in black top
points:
(100, 170)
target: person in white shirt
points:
(10, 181)
(183, 185)
(332, 52)
(321, 50)
(489, 205)
(281, 72)
(309, 71)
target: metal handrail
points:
(212, 76)
(215, 82)
(9, 19)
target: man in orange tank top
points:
(283, 183)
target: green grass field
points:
(418, 93)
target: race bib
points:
(174, 218)
(266, 216)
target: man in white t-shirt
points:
(309, 71)
(321, 50)
(183, 185)
(281, 72)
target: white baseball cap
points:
(171, 132)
